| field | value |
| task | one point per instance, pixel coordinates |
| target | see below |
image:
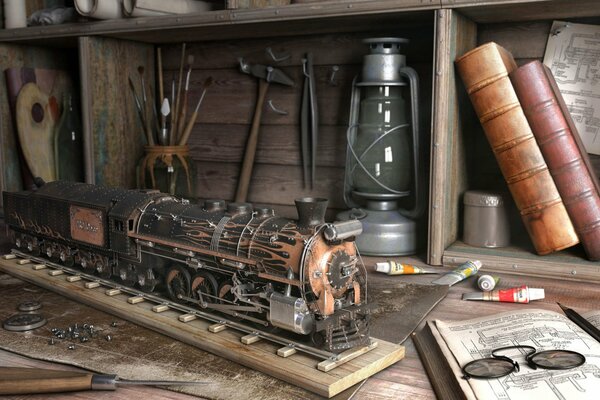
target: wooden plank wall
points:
(218, 139)
(113, 133)
(15, 56)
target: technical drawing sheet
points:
(573, 55)
(544, 330)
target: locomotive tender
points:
(301, 276)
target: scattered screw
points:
(108, 338)
(114, 324)
(71, 347)
(84, 339)
(51, 341)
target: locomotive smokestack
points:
(311, 211)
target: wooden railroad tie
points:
(136, 299)
(9, 256)
(73, 278)
(91, 285)
(56, 272)
(112, 292)
(216, 328)
(37, 267)
(344, 357)
(24, 261)
(187, 317)
(286, 351)
(160, 308)
(251, 338)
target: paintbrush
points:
(141, 113)
(145, 109)
(183, 110)
(174, 124)
(161, 92)
(188, 128)
(164, 112)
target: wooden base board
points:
(298, 369)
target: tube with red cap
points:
(522, 294)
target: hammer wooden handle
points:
(246, 173)
(15, 380)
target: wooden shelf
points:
(247, 23)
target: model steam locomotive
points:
(301, 276)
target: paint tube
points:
(521, 294)
(487, 282)
(394, 268)
(462, 272)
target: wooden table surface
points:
(407, 378)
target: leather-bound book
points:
(484, 71)
(562, 149)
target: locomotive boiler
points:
(303, 277)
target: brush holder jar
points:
(168, 169)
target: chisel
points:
(14, 380)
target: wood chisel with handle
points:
(14, 380)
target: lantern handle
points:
(413, 79)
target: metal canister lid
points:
(480, 198)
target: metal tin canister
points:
(486, 220)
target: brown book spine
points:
(484, 70)
(560, 145)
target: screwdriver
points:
(14, 380)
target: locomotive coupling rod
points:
(14, 380)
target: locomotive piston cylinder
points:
(291, 313)
(342, 230)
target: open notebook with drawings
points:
(446, 346)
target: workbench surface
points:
(406, 379)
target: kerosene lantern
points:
(382, 158)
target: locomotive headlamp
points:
(382, 156)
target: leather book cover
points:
(561, 147)
(484, 71)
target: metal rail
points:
(301, 347)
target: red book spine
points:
(561, 147)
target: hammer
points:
(265, 75)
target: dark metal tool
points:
(309, 123)
(266, 75)
(14, 380)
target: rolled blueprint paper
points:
(148, 8)
(100, 9)
(14, 14)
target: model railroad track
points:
(187, 313)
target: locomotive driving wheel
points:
(178, 281)
(225, 292)
(206, 283)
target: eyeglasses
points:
(500, 365)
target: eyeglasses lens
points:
(558, 359)
(488, 368)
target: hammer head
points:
(266, 72)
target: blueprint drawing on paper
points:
(573, 55)
(544, 330)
